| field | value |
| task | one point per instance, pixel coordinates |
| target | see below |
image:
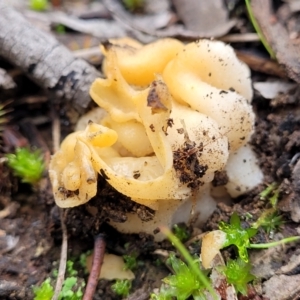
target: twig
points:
(63, 257)
(240, 38)
(47, 62)
(261, 64)
(92, 55)
(88, 52)
(55, 131)
(64, 245)
(99, 249)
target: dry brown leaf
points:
(176, 30)
(208, 18)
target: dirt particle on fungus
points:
(152, 128)
(145, 215)
(180, 130)
(67, 193)
(223, 92)
(220, 178)
(154, 99)
(156, 231)
(187, 166)
(170, 123)
(231, 89)
(91, 180)
(136, 174)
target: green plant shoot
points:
(269, 220)
(276, 243)
(238, 236)
(184, 283)
(201, 277)
(267, 191)
(258, 30)
(71, 289)
(122, 287)
(238, 274)
(26, 164)
(43, 292)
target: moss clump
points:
(26, 164)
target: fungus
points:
(171, 115)
(113, 267)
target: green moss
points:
(71, 290)
(238, 274)
(122, 287)
(130, 262)
(44, 292)
(26, 164)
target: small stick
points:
(63, 257)
(64, 244)
(99, 249)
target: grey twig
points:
(47, 62)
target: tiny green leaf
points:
(236, 235)
(43, 292)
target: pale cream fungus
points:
(171, 116)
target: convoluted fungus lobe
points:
(170, 117)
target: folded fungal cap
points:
(173, 114)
